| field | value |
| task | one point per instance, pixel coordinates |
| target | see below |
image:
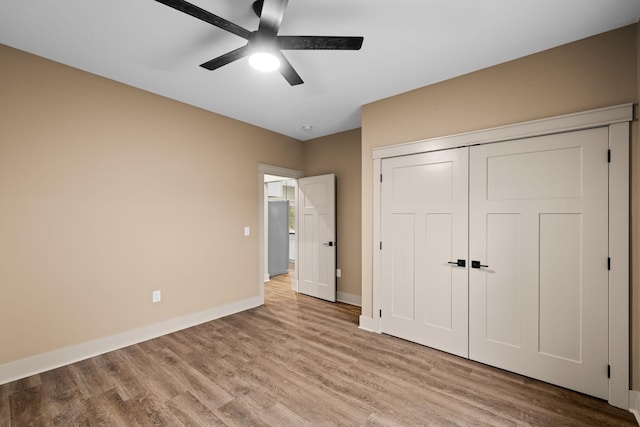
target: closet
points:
(499, 252)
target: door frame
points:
(617, 119)
(265, 169)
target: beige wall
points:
(596, 72)
(340, 154)
(107, 193)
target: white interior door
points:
(539, 227)
(424, 233)
(316, 216)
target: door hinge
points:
(608, 371)
(609, 264)
(380, 245)
(380, 313)
(380, 177)
(608, 156)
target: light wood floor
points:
(295, 361)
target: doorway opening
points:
(278, 188)
(280, 230)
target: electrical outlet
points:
(338, 272)
(155, 296)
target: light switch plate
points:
(247, 231)
(155, 296)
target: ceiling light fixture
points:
(264, 61)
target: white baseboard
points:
(266, 277)
(349, 298)
(366, 323)
(634, 404)
(54, 359)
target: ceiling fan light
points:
(264, 61)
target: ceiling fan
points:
(265, 41)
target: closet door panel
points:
(539, 228)
(424, 230)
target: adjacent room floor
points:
(294, 361)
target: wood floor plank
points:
(382, 420)
(25, 406)
(58, 392)
(192, 412)
(295, 361)
(148, 410)
(301, 393)
(122, 375)
(192, 380)
(89, 377)
(280, 415)
(5, 407)
(104, 409)
(149, 374)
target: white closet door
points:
(424, 230)
(538, 224)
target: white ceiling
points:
(407, 44)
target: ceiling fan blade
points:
(227, 58)
(271, 16)
(287, 71)
(206, 16)
(319, 43)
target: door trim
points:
(269, 170)
(617, 119)
(619, 280)
(565, 123)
